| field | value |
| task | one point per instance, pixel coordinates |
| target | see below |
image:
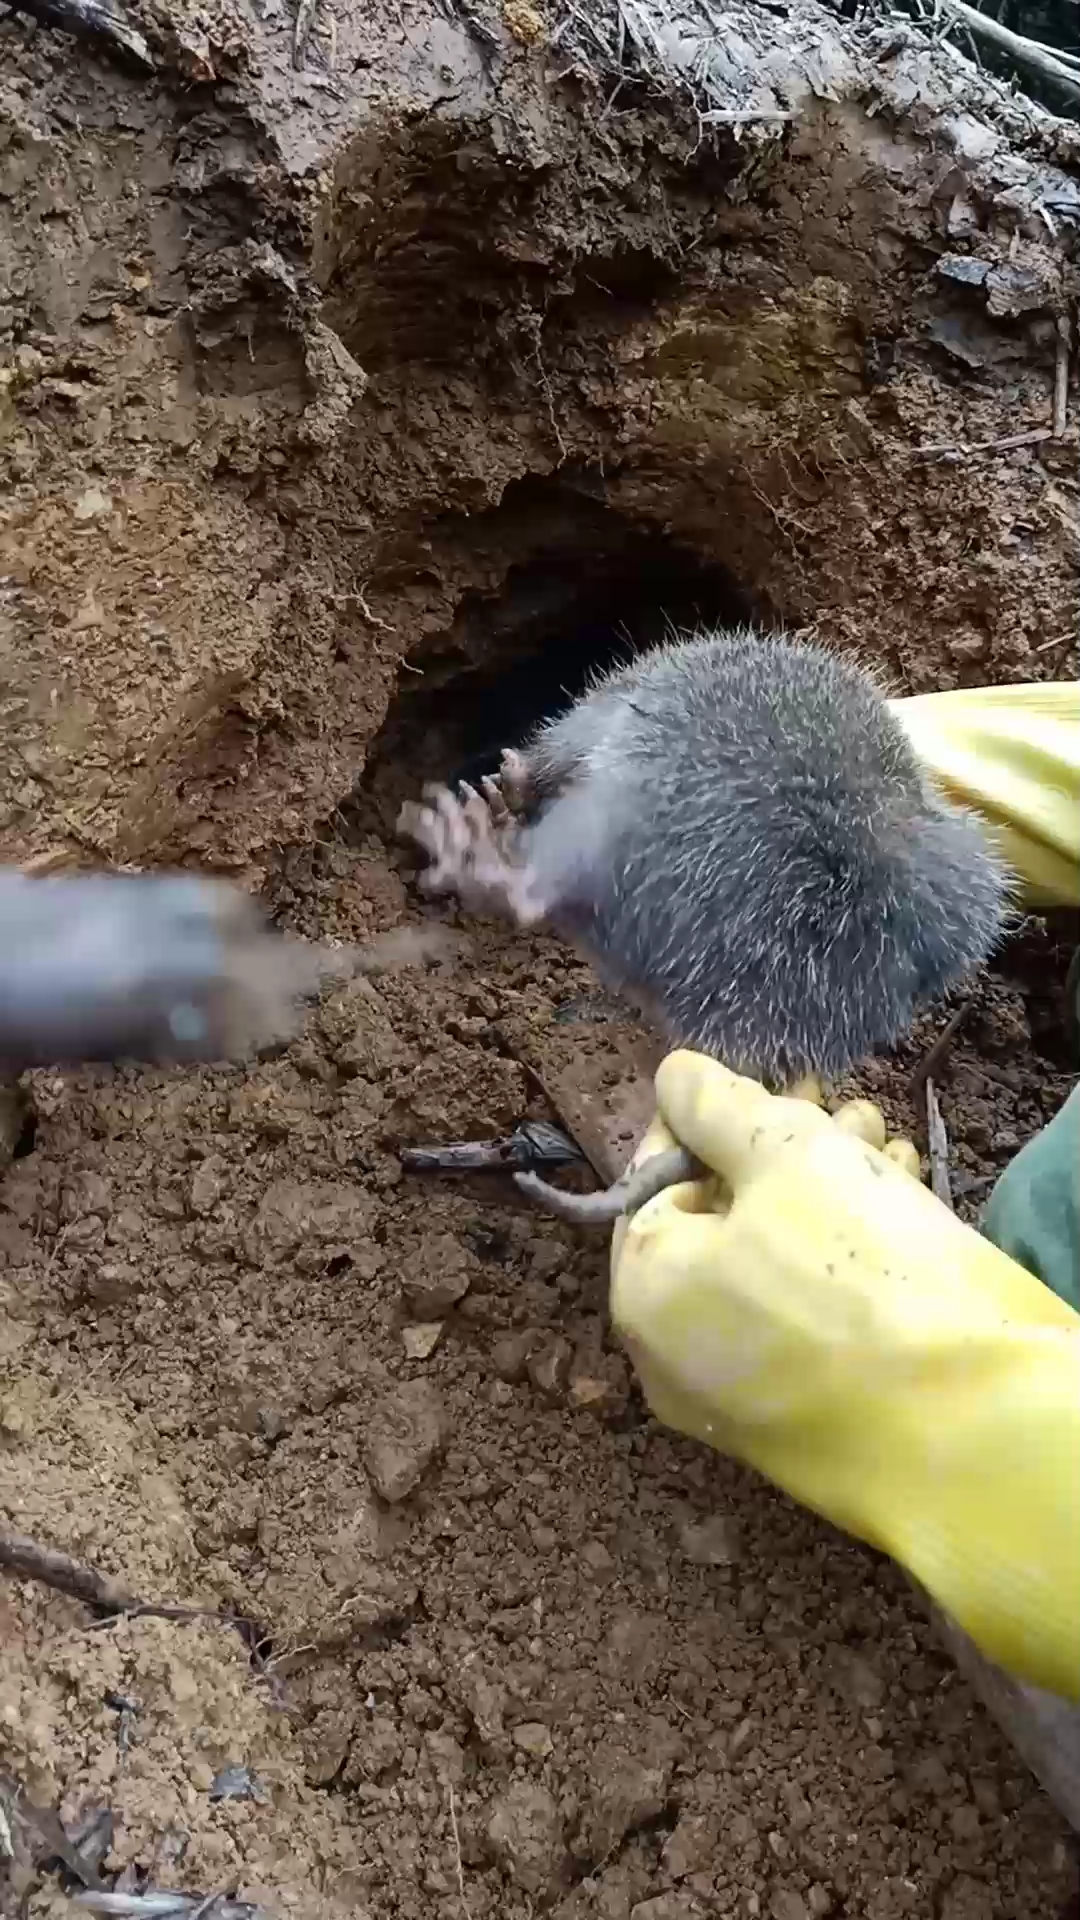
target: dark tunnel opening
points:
(573, 609)
(585, 588)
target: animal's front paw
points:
(443, 831)
(471, 841)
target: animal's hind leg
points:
(472, 841)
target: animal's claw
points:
(515, 782)
(496, 802)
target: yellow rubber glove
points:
(815, 1312)
(1013, 755)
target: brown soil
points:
(492, 1591)
(518, 1649)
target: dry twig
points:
(166, 1903)
(302, 25)
(938, 1144)
(935, 1054)
(966, 447)
(1027, 53)
(26, 1559)
(1061, 379)
(90, 20)
(458, 1862)
(34, 1835)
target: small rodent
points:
(736, 831)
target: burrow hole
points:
(584, 588)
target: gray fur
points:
(738, 833)
(737, 829)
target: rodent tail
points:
(582, 1209)
(624, 1197)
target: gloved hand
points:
(149, 967)
(815, 1312)
(1013, 754)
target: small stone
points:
(510, 1355)
(711, 1542)
(549, 1369)
(486, 1701)
(800, 1812)
(92, 504)
(587, 1392)
(375, 1754)
(17, 1422)
(236, 1783)
(859, 1681)
(443, 1278)
(545, 1258)
(785, 1903)
(420, 1341)
(603, 1392)
(666, 1906)
(447, 1758)
(595, 1555)
(627, 1793)
(525, 1832)
(405, 1431)
(85, 1193)
(126, 1225)
(964, 647)
(525, 22)
(692, 1847)
(207, 1186)
(533, 1738)
(929, 1775)
(326, 1745)
(964, 268)
(965, 1823)
(110, 1283)
(250, 1415)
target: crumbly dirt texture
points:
(250, 1366)
(336, 389)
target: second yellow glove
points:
(814, 1311)
(1013, 754)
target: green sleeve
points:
(1033, 1213)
